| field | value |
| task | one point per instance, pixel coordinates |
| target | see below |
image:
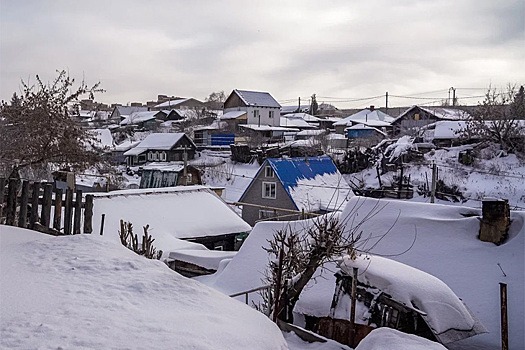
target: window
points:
(189, 178)
(270, 114)
(162, 156)
(150, 156)
(267, 214)
(268, 190)
(416, 116)
(268, 172)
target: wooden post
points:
(379, 178)
(45, 216)
(2, 189)
(433, 190)
(88, 214)
(78, 212)
(504, 318)
(102, 224)
(57, 217)
(68, 212)
(400, 184)
(11, 202)
(35, 194)
(352, 307)
(22, 216)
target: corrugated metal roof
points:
(289, 170)
(256, 98)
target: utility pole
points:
(453, 96)
(299, 108)
(433, 190)
(185, 170)
(386, 103)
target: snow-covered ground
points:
(434, 238)
(492, 175)
(87, 292)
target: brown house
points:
(161, 147)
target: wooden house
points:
(370, 117)
(260, 107)
(391, 294)
(161, 147)
(294, 188)
(179, 103)
(416, 117)
(147, 120)
(170, 174)
(121, 112)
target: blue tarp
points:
(222, 139)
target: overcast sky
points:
(336, 49)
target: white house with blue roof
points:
(294, 188)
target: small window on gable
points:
(267, 214)
(268, 172)
(270, 113)
(269, 190)
(189, 178)
(416, 116)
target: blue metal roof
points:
(290, 170)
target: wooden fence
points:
(40, 207)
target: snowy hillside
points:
(87, 292)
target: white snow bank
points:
(390, 339)
(86, 292)
(414, 289)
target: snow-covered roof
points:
(161, 141)
(294, 123)
(294, 109)
(232, 115)
(164, 166)
(304, 116)
(128, 110)
(444, 113)
(104, 138)
(256, 127)
(311, 132)
(414, 289)
(171, 103)
(52, 287)
(257, 98)
(125, 146)
(367, 117)
(209, 259)
(182, 211)
(313, 183)
(139, 117)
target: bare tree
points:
(36, 128)
(499, 119)
(299, 254)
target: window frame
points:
(263, 214)
(270, 184)
(268, 171)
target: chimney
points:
(372, 108)
(495, 220)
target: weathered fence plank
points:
(88, 214)
(45, 216)
(68, 212)
(57, 217)
(33, 218)
(2, 191)
(24, 198)
(11, 202)
(77, 214)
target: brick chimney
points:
(495, 221)
(372, 108)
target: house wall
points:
(413, 119)
(253, 195)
